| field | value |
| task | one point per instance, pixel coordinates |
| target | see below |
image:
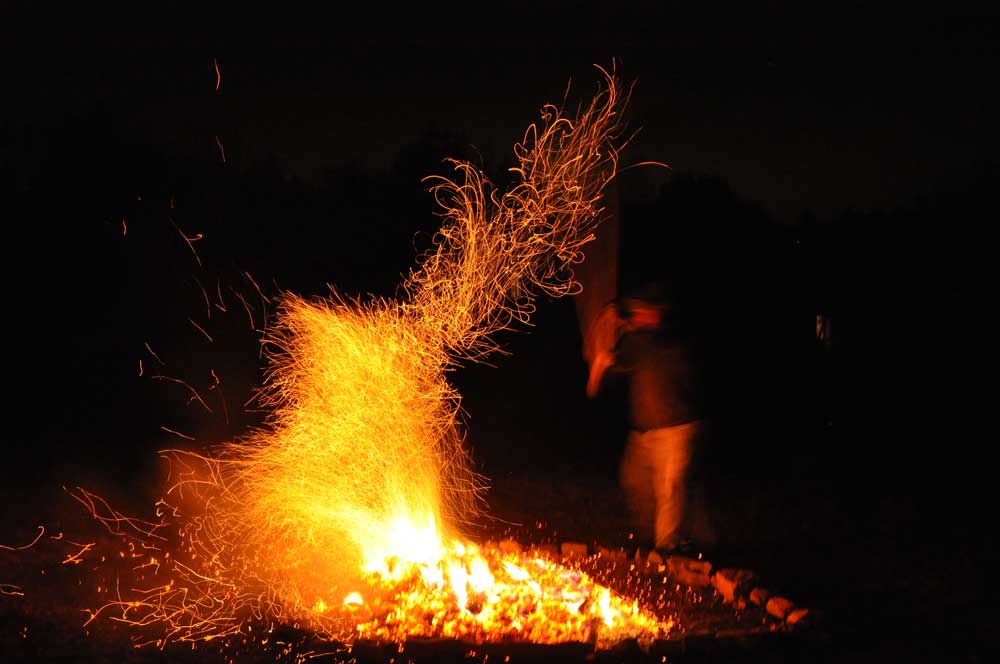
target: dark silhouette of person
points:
(667, 420)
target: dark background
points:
(841, 167)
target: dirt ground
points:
(884, 592)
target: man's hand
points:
(602, 360)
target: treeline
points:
(126, 251)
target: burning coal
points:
(345, 510)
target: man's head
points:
(646, 307)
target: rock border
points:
(737, 587)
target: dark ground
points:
(893, 553)
(884, 593)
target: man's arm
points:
(606, 332)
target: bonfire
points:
(347, 511)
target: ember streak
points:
(345, 511)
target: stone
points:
(547, 550)
(617, 556)
(759, 596)
(801, 617)
(677, 563)
(733, 584)
(779, 607)
(571, 550)
(509, 546)
(694, 578)
(691, 572)
(655, 563)
(645, 561)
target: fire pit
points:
(728, 615)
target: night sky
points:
(819, 116)
(818, 136)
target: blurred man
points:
(666, 416)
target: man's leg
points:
(672, 449)
(635, 475)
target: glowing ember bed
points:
(592, 604)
